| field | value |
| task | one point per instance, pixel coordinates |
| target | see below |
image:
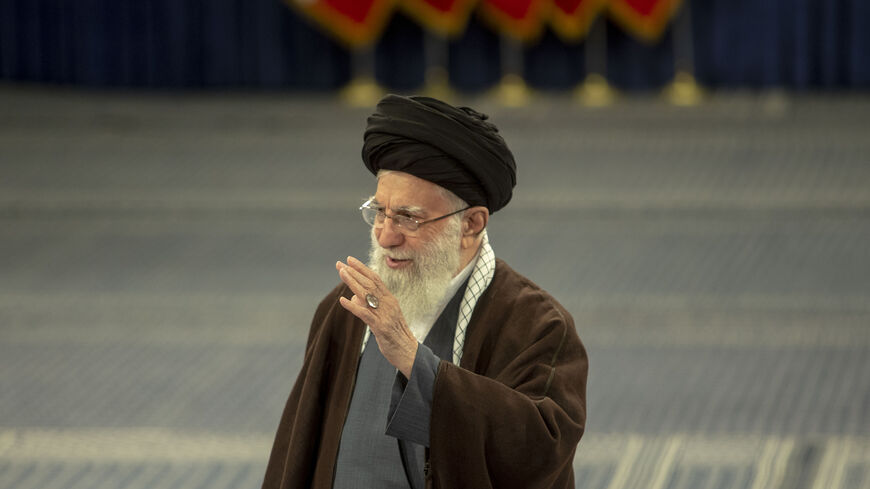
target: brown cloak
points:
(509, 417)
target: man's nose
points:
(390, 235)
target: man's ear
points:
(475, 221)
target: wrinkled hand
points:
(387, 323)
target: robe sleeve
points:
(411, 402)
(514, 416)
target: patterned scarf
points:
(479, 280)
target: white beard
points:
(421, 286)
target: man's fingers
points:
(357, 310)
(366, 282)
(350, 278)
(363, 269)
(365, 276)
(358, 278)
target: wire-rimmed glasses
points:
(375, 215)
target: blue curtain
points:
(794, 44)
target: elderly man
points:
(435, 365)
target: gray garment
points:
(366, 457)
(374, 456)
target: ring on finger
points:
(372, 301)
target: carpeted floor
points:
(161, 256)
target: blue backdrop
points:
(795, 44)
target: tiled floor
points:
(161, 255)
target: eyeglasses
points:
(375, 216)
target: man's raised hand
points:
(380, 311)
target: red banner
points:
(360, 22)
(571, 18)
(446, 17)
(355, 22)
(645, 19)
(520, 19)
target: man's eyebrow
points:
(405, 209)
(409, 209)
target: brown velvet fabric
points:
(510, 417)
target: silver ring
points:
(372, 301)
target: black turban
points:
(452, 147)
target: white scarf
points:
(481, 277)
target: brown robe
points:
(510, 416)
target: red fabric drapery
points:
(354, 22)
(446, 17)
(520, 19)
(360, 22)
(645, 19)
(571, 19)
